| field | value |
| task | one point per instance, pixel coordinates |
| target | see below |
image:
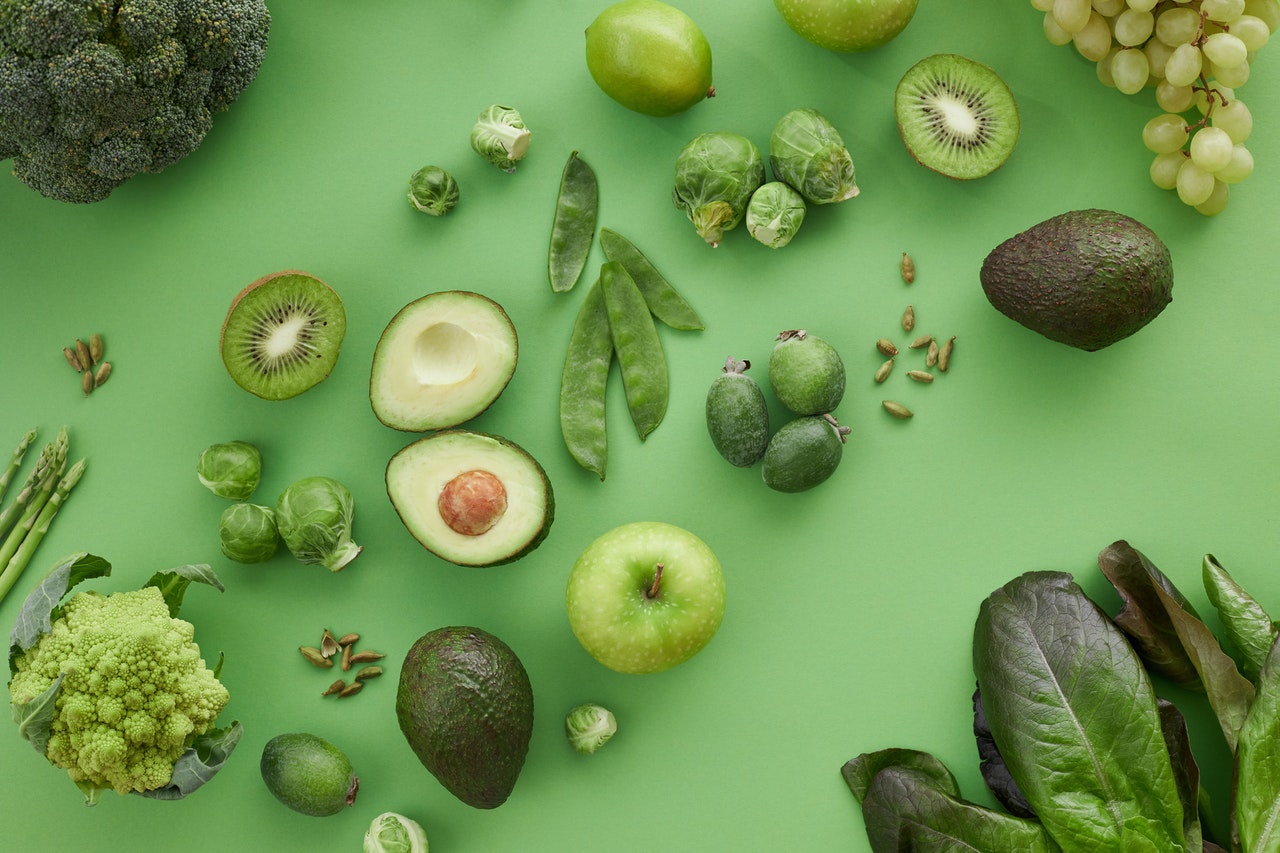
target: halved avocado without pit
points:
(471, 498)
(442, 360)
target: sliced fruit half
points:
(442, 360)
(471, 498)
(282, 334)
(956, 116)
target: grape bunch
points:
(1194, 54)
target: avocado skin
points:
(1085, 278)
(465, 705)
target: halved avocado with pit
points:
(471, 498)
(442, 360)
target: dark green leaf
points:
(1257, 809)
(906, 811)
(1249, 631)
(1158, 608)
(994, 770)
(41, 606)
(1143, 618)
(858, 772)
(35, 717)
(173, 583)
(1074, 714)
(198, 764)
(1185, 770)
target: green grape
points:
(1222, 11)
(1053, 32)
(1240, 167)
(1194, 185)
(1133, 27)
(1183, 67)
(1094, 41)
(1233, 117)
(1158, 54)
(1130, 70)
(1165, 134)
(1267, 10)
(1109, 8)
(1142, 5)
(1251, 30)
(1174, 99)
(1217, 200)
(1164, 169)
(1072, 15)
(1225, 50)
(1233, 77)
(1211, 148)
(1177, 25)
(1104, 69)
(1221, 95)
(1042, 5)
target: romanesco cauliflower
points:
(134, 691)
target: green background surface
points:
(850, 607)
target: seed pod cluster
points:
(936, 355)
(342, 650)
(86, 359)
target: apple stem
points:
(652, 592)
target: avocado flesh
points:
(465, 705)
(442, 360)
(418, 474)
(1086, 278)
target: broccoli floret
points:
(134, 689)
(93, 92)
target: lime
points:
(650, 57)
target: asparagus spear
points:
(22, 556)
(15, 461)
(10, 514)
(38, 498)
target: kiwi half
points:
(956, 116)
(282, 334)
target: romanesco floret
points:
(134, 689)
(92, 92)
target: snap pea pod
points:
(663, 300)
(635, 341)
(574, 225)
(583, 384)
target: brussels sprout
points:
(807, 152)
(716, 173)
(774, 214)
(248, 533)
(314, 518)
(394, 833)
(433, 190)
(589, 727)
(500, 137)
(231, 470)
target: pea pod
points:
(583, 383)
(574, 224)
(635, 341)
(663, 300)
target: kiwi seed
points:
(956, 116)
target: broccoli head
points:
(134, 690)
(92, 92)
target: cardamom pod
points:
(73, 359)
(922, 341)
(931, 358)
(886, 347)
(348, 639)
(920, 375)
(95, 348)
(351, 689)
(944, 356)
(896, 409)
(100, 375)
(909, 318)
(368, 672)
(346, 658)
(315, 656)
(82, 353)
(328, 644)
(908, 268)
(86, 382)
(884, 370)
(366, 657)
(336, 687)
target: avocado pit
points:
(472, 502)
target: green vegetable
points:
(584, 381)
(716, 173)
(23, 540)
(394, 833)
(314, 517)
(806, 151)
(737, 415)
(635, 340)
(663, 300)
(49, 463)
(803, 453)
(433, 190)
(113, 688)
(775, 214)
(15, 462)
(230, 470)
(92, 94)
(248, 534)
(500, 137)
(574, 224)
(308, 774)
(1248, 628)
(589, 727)
(806, 373)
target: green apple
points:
(645, 596)
(847, 25)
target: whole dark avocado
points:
(466, 707)
(1086, 278)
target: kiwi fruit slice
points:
(956, 116)
(282, 334)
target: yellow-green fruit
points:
(650, 57)
(847, 25)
